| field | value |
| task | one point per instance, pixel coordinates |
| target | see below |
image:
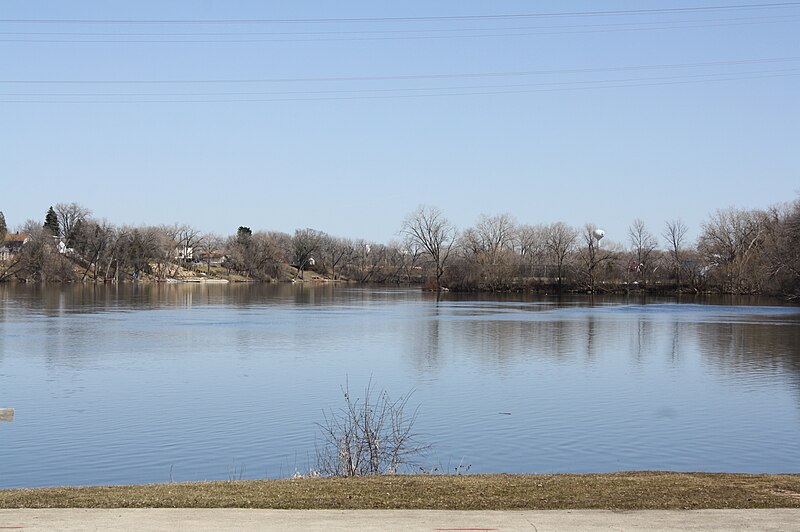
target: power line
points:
(408, 89)
(419, 36)
(473, 91)
(609, 25)
(624, 12)
(410, 76)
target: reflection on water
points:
(134, 383)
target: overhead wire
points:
(515, 33)
(370, 94)
(505, 16)
(401, 89)
(343, 35)
(391, 34)
(657, 66)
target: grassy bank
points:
(622, 491)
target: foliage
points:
(369, 436)
(51, 222)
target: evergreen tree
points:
(3, 227)
(51, 222)
(243, 236)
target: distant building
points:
(214, 258)
(12, 244)
(184, 253)
(62, 247)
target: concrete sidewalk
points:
(429, 520)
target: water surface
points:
(139, 384)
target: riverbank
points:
(617, 491)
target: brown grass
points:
(622, 491)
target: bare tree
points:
(187, 238)
(39, 258)
(306, 243)
(333, 252)
(410, 251)
(395, 262)
(559, 241)
(530, 244)
(782, 253)
(92, 240)
(732, 241)
(167, 255)
(592, 255)
(496, 233)
(428, 228)
(208, 246)
(488, 251)
(643, 244)
(258, 255)
(267, 254)
(140, 250)
(675, 234)
(69, 216)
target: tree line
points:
(738, 251)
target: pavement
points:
(417, 520)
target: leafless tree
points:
(559, 242)
(138, 251)
(39, 259)
(306, 243)
(332, 253)
(675, 235)
(779, 260)
(785, 255)
(166, 259)
(70, 215)
(592, 255)
(258, 255)
(428, 228)
(731, 242)
(529, 244)
(187, 238)
(267, 253)
(92, 240)
(410, 252)
(496, 233)
(209, 245)
(394, 262)
(643, 244)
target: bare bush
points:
(367, 437)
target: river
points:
(155, 383)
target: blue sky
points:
(653, 115)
